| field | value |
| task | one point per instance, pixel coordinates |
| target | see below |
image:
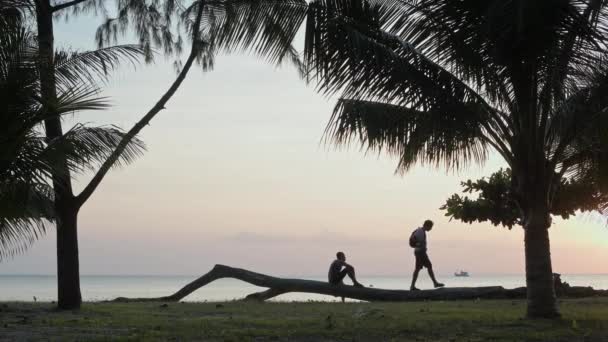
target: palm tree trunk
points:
(539, 274)
(68, 296)
(68, 274)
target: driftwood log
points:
(278, 286)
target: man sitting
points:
(340, 269)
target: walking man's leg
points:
(422, 260)
(414, 278)
(418, 266)
(432, 275)
(429, 268)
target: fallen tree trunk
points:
(278, 286)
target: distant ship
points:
(461, 274)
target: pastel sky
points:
(236, 173)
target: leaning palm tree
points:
(264, 27)
(443, 82)
(27, 158)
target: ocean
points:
(97, 287)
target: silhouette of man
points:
(339, 269)
(422, 258)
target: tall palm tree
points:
(265, 27)
(27, 158)
(443, 82)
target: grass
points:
(500, 320)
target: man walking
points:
(418, 242)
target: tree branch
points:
(160, 105)
(66, 5)
(265, 295)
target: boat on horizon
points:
(461, 274)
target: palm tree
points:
(442, 82)
(27, 158)
(265, 27)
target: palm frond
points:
(349, 53)
(574, 128)
(26, 211)
(449, 34)
(265, 27)
(292, 57)
(586, 157)
(27, 158)
(578, 136)
(79, 98)
(578, 50)
(501, 32)
(88, 147)
(16, 9)
(411, 135)
(19, 144)
(90, 67)
(20, 159)
(602, 158)
(150, 21)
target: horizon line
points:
(472, 275)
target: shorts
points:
(422, 260)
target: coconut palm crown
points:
(27, 158)
(444, 82)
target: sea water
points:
(98, 287)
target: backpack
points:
(413, 241)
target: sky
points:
(236, 173)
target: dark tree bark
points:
(68, 273)
(536, 182)
(68, 269)
(539, 273)
(278, 286)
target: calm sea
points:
(94, 288)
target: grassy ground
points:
(583, 320)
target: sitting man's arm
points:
(347, 266)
